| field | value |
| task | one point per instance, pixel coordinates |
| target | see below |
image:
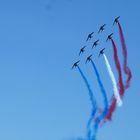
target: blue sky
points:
(40, 97)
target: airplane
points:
(116, 20)
(82, 50)
(109, 37)
(102, 28)
(95, 43)
(90, 36)
(102, 51)
(88, 58)
(75, 64)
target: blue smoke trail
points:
(104, 113)
(93, 102)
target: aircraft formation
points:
(119, 87)
(95, 44)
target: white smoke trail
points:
(116, 92)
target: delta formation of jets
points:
(90, 36)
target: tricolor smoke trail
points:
(120, 81)
(104, 113)
(116, 92)
(93, 102)
(125, 67)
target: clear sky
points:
(41, 98)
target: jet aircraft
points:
(75, 64)
(102, 28)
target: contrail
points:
(116, 92)
(93, 102)
(120, 80)
(125, 67)
(104, 113)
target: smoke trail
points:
(121, 86)
(116, 92)
(118, 66)
(103, 114)
(93, 102)
(112, 108)
(125, 67)
(126, 70)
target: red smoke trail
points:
(125, 67)
(118, 66)
(120, 80)
(112, 108)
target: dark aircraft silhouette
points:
(116, 20)
(88, 58)
(102, 51)
(90, 36)
(109, 37)
(95, 43)
(82, 50)
(102, 28)
(75, 64)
